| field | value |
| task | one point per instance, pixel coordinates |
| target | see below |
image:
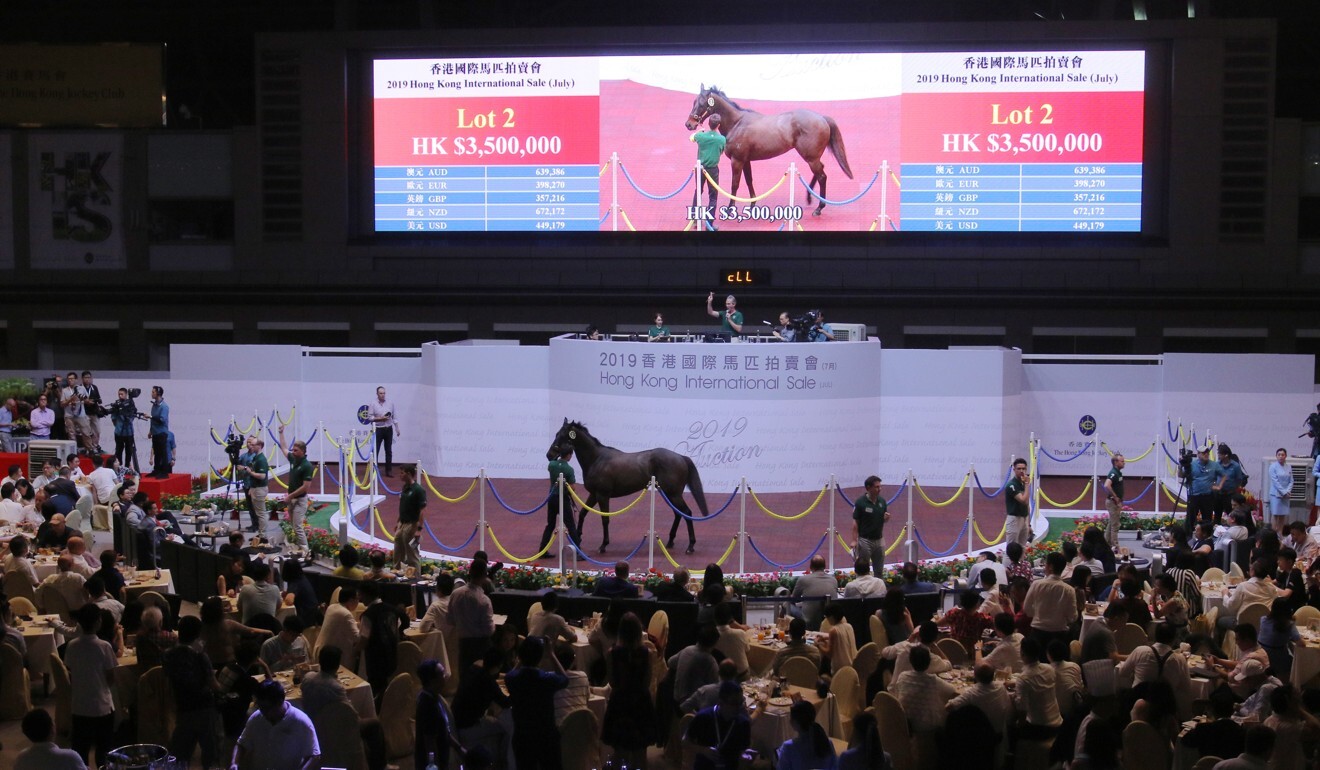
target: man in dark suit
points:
(616, 586)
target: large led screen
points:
(972, 141)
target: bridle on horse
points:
(709, 107)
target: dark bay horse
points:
(608, 472)
(750, 136)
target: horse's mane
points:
(585, 432)
(725, 97)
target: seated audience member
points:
(966, 622)
(839, 645)
(694, 666)
(298, 591)
(348, 561)
(1222, 737)
(234, 550)
(1187, 582)
(813, 590)
(39, 728)
(1098, 642)
(220, 635)
(1258, 589)
(925, 637)
(865, 585)
(260, 598)
(577, 694)
(675, 590)
(708, 695)
(378, 570)
(922, 694)
(1258, 747)
(1006, 646)
(230, 581)
(734, 642)
(17, 560)
(96, 593)
(720, 734)
(83, 562)
(912, 584)
(1249, 670)
(616, 586)
(1277, 636)
(797, 647)
(1305, 546)
(1069, 686)
(55, 533)
(865, 749)
(340, 627)
(437, 614)
(550, 624)
(277, 734)
(110, 574)
(153, 640)
(991, 697)
(810, 748)
(1289, 580)
(284, 650)
(8, 633)
(70, 586)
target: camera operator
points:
(254, 474)
(122, 414)
(72, 398)
(1203, 478)
(820, 331)
(160, 434)
(1312, 426)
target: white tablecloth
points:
(142, 582)
(431, 642)
(41, 641)
(773, 726)
(359, 692)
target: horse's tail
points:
(694, 484)
(836, 146)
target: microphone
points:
(767, 323)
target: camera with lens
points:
(1185, 462)
(234, 448)
(125, 408)
(802, 325)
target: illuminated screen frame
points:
(743, 216)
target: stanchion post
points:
(320, 452)
(210, 428)
(614, 192)
(559, 523)
(742, 524)
(792, 188)
(911, 527)
(1095, 473)
(481, 509)
(344, 507)
(650, 533)
(971, 520)
(830, 536)
(884, 195)
(1156, 478)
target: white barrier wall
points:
(860, 410)
(785, 417)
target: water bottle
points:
(430, 762)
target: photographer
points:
(122, 414)
(1312, 427)
(254, 474)
(95, 411)
(76, 424)
(1203, 479)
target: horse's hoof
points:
(692, 548)
(669, 544)
(603, 546)
(816, 213)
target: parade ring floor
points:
(785, 542)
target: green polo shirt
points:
(870, 517)
(1116, 482)
(412, 499)
(259, 464)
(737, 318)
(1011, 505)
(300, 472)
(657, 331)
(557, 467)
(710, 145)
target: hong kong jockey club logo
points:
(1086, 425)
(364, 414)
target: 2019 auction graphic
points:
(940, 141)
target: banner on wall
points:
(6, 208)
(784, 417)
(82, 85)
(76, 201)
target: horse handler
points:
(558, 465)
(412, 499)
(710, 145)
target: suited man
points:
(616, 586)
